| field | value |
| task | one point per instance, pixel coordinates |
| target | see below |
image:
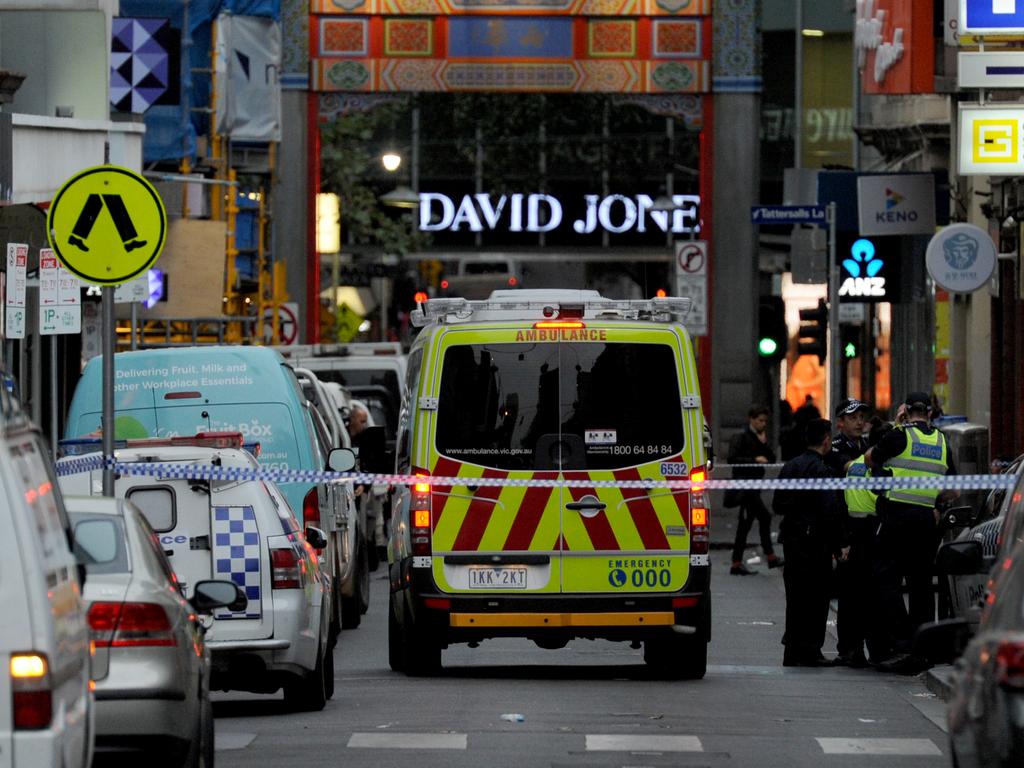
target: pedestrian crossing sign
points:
(107, 224)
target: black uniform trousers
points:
(806, 576)
(905, 551)
(857, 619)
(752, 508)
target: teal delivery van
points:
(178, 392)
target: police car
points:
(551, 386)
(243, 531)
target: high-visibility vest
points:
(923, 456)
(860, 502)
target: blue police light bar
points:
(81, 446)
(992, 17)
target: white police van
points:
(242, 530)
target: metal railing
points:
(186, 332)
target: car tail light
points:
(311, 510)
(1010, 665)
(699, 519)
(130, 625)
(420, 518)
(284, 569)
(31, 695)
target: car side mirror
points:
(341, 460)
(957, 517)
(317, 539)
(941, 642)
(960, 558)
(210, 595)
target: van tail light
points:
(285, 569)
(31, 693)
(1010, 665)
(311, 511)
(129, 625)
(420, 518)
(699, 519)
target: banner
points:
(248, 66)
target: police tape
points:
(179, 471)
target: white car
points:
(243, 531)
(46, 708)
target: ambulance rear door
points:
(489, 409)
(622, 419)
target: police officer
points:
(906, 540)
(812, 534)
(848, 444)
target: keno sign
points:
(540, 212)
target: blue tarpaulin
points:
(171, 130)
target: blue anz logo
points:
(862, 267)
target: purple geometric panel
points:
(144, 64)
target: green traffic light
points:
(850, 350)
(766, 347)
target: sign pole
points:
(835, 390)
(54, 432)
(108, 331)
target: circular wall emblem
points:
(107, 224)
(961, 258)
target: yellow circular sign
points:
(107, 224)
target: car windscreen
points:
(559, 406)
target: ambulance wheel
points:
(421, 653)
(395, 652)
(677, 657)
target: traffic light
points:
(849, 340)
(813, 331)
(772, 333)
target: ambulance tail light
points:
(284, 569)
(420, 518)
(31, 692)
(699, 522)
(129, 625)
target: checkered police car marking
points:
(236, 556)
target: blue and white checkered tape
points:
(179, 471)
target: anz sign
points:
(868, 268)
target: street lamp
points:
(401, 197)
(391, 161)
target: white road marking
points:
(879, 747)
(222, 742)
(408, 740)
(652, 743)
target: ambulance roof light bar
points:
(511, 307)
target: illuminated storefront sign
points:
(541, 212)
(868, 268)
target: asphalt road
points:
(509, 703)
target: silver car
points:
(151, 665)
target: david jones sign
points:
(543, 213)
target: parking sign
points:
(992, 17)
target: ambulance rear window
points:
(559, 405)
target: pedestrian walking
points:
(812, 535)
(751, 447)
(848, 444)
(907, 537)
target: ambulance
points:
(570, 398)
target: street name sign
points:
(991, 17)
(990, 70)
(788, 214)
(107, 224)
